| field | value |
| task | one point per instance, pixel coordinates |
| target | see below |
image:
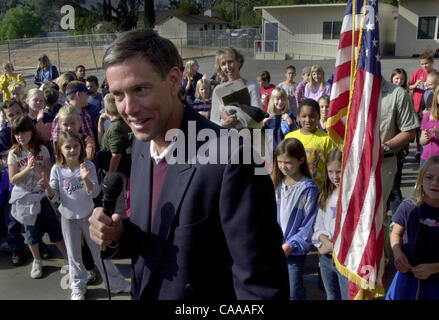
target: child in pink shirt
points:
(430, 130)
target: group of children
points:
(307, 169)
(52, 165)
(52, 155)
(311, 220)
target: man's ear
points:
(174, 78)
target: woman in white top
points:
(229, 62)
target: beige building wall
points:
(407, 43)
(172, 28)
(305, 24)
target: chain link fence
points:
(294, 49)
(66, 52)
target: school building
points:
(418, 27)
(312, 31)
(175, 26)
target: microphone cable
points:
(106, 278)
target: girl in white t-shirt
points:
(28, 161)
(73, 182)
(336, 285)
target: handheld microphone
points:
(111, 188)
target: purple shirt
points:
(317, 92)
(432, 147)
(421, 234)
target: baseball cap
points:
(306, 70)
(80, 88)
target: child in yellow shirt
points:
(7, 77)
(316, 142)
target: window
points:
(331, 30)
(427, 27)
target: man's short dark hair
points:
(161, 53)
(92, 79)
(79, 66)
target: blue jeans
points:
(296, 266)
(336, 285)
(46, 222)
(14, 236)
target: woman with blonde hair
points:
(46, 71)
(190, 79)
(229, 62)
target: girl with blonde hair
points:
(317, 86)
(190, 79)
(414, 240)
(281, 120)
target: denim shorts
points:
(47, 221)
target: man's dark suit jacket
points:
(214, 234)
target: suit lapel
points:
(141, 174)
(176, 182)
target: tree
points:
(149, 14)
(20, 22)
(125, 15)
(104, 10)
(186, 6)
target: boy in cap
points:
(77, 96)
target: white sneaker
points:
(37, 269)
(77, 296)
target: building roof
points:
(189, 19)
(321, 5)
(318, 5)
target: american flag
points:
(354, 124)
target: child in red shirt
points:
(419, 76)
(417, 84)
(265, 88)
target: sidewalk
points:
(16, 283)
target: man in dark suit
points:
(196, 231)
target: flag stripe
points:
(358, 235)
